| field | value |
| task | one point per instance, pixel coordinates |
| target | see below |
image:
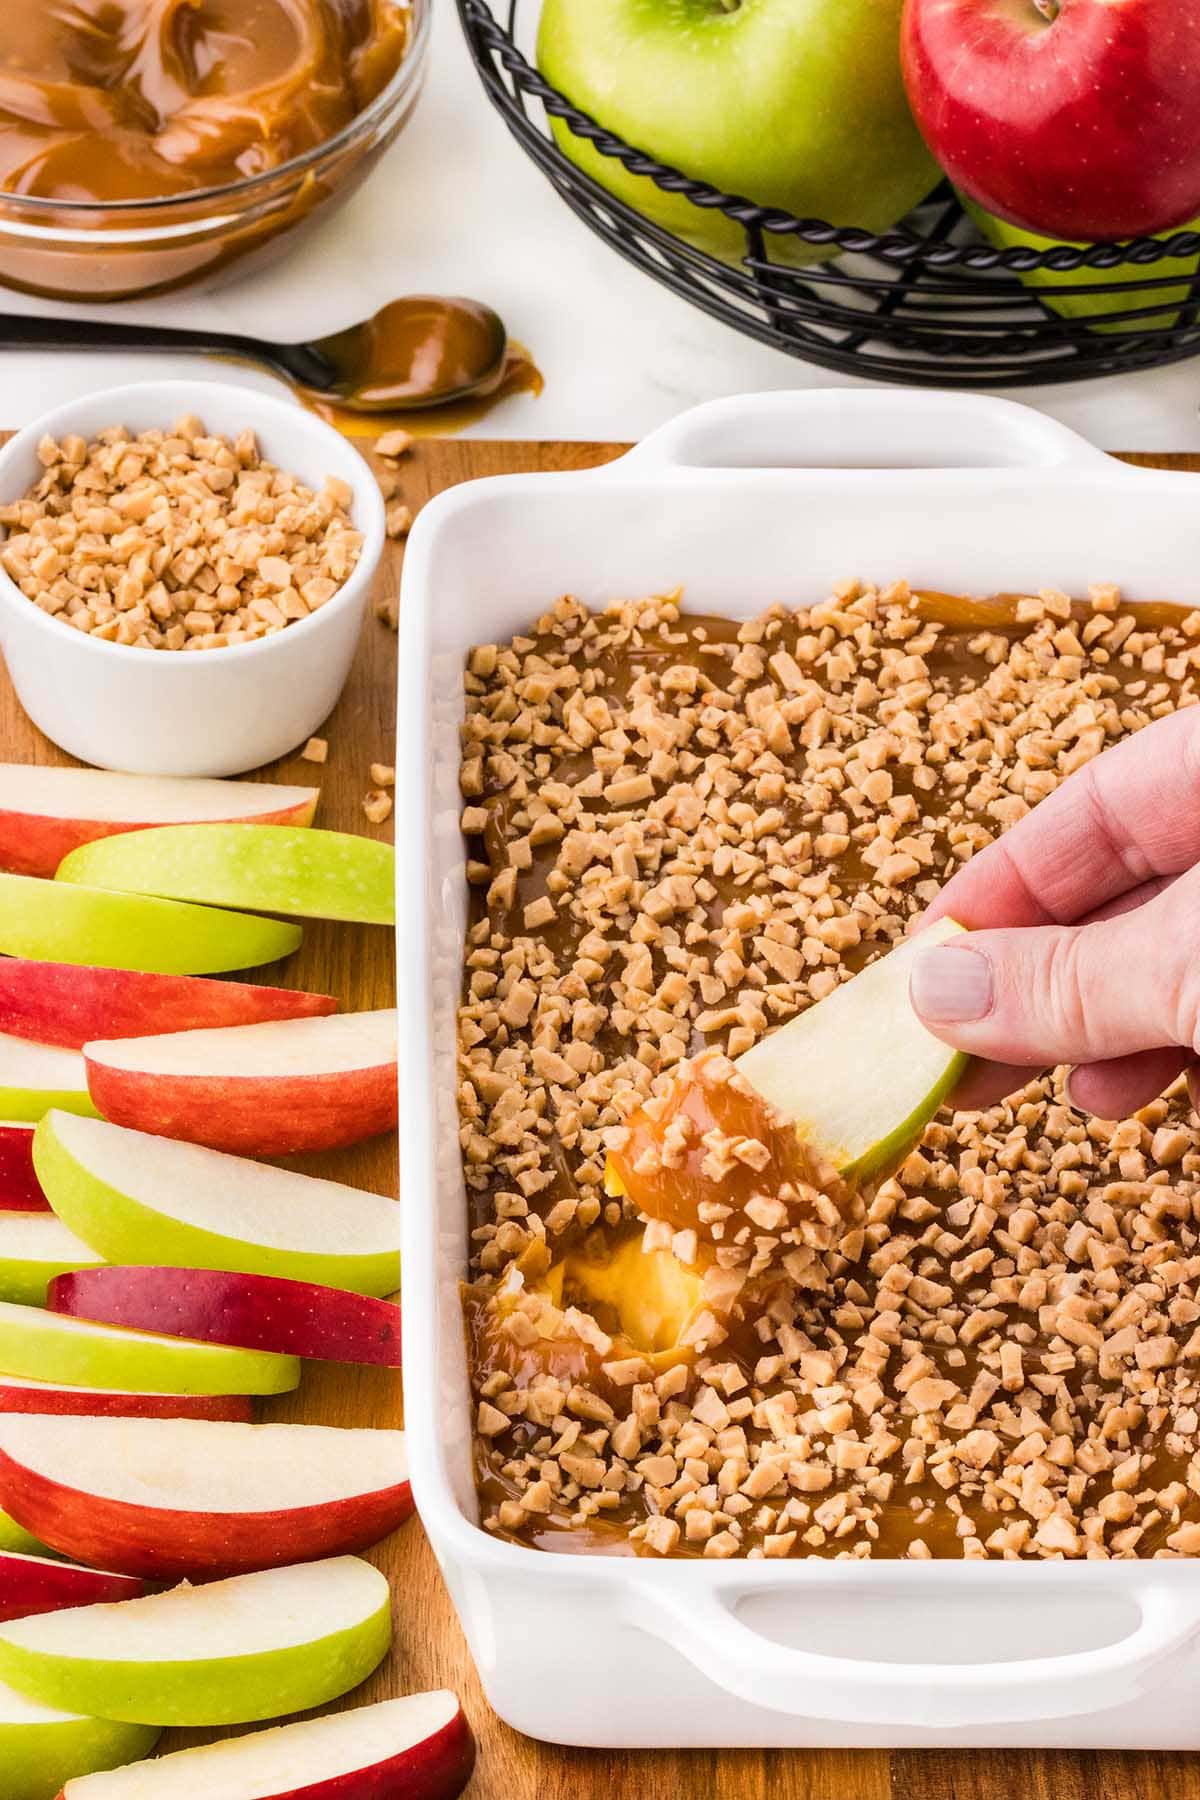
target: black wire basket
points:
(928, 303)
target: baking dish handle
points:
(830, 428)
(702, 1624)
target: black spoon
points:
(421, 351)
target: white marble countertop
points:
(456, 207)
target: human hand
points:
(1085, 946)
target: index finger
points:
(1131, 815)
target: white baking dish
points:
(749, 501)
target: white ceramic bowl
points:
(217, 712)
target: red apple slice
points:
(37, 1584)
(68, 1003)
(21, 1394)
(256, 1312)
(185, 1498)
(263, 1090)
(46, 813)
(416, 1748)
(20, 1189)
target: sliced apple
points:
(67, 1003)
(257, 1312)
(42, 1748)
(20, 1189)
(15, 1537)
(136, 1198)
(50, 1348)
(419, 1746)
(228, 1653)
(858, 1073)
(36, 1077)
(34, 1247)
(176, 1498)
(266, 1090)
(55, 921)
(23, 1395)
(266, 868)
(47, 813)
(39, 1584)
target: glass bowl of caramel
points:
(147, 146)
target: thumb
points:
(1069, 994)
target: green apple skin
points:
(15, 1537)
(49, 1250)
(791, 103)
(27, 1105)
(1091, 306)
(41, 1749)
(124, 1230)
(265, 868)
(222, 1690)
(51, 921)
(33, 1343)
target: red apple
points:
(261, 1090)
(1076, 119)
(38, 1584)
(20, 1189)
(181, 1499)
(68, 1003)
(416, 1748)
(19, 1394)
(254, 1312)
(45, 813)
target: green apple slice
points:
(136, 1198)
(51, 1347)
(34, 1248)
(55, 921)
(858, 1073)
(266, 868)
(36, 1077)
(41, 1749)
(15, 1537)
(248, 1648)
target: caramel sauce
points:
(118, 100)
(518, 374)
(917, 1511)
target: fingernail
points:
(951, 985)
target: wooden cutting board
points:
(356, 964)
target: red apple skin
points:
(1079, 126)
(96, 1403)
(438, 1768)
(168, 1544)
(250, 1312)
(67, 1004)
(34, 1584)
(35, 843)
(20, 1189)
(253, 1115)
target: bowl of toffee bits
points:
(184, 569)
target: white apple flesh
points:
(136, 1198)
(42, 1748)
(39, 1584)
(262, 1090)
(45, 813)
(55, 921)
(170, 1499)
(49, 1348)
(36, 1077)
(34, 1248)
(419, 1747)
(24, 1395)
(858, 1074)
(229, 1652)
(266, 868)
(257, 1312)
(68, 1003)
(1075, 119)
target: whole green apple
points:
(1093, 307)
(791, 103)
